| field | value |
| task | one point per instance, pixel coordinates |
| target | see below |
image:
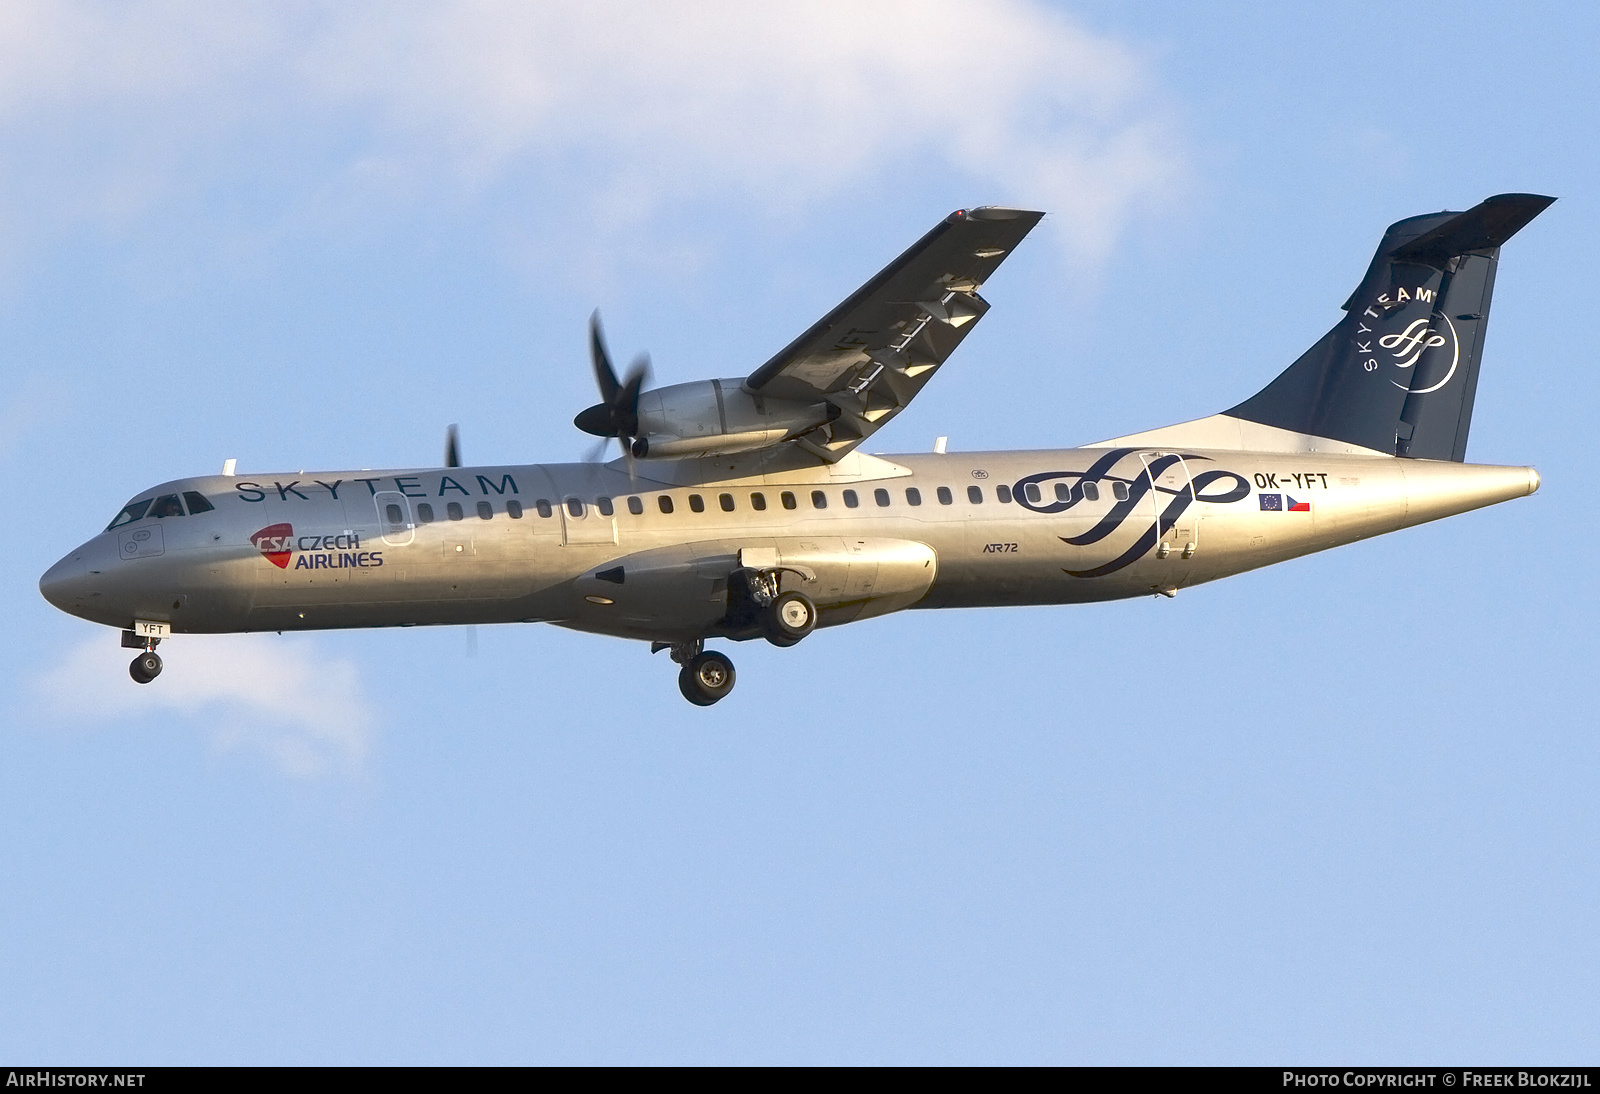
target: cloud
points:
(363, 105)
(269, 694)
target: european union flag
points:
(1271, 503)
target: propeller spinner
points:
(617, 413)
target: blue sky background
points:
(1341, 809)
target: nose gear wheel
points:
(146, 667)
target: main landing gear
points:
(756, 607)
(147, 666)
(790, 618)
(706, 675)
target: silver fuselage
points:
(319, 550)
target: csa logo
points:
(275, 542)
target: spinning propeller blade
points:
(617, 413)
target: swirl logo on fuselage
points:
(1215, 486)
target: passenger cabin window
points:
(604, 505)
(1091, 491)
(129, 514)
(758, 502)
(514, 510)
(850, 499)
(665, 502)
(945, 497)
(881, 496)
(574, 507)
(485, 511)
(453, 510)
(196, 502)
(788, 500)
(726, 501)
(697, 504)
(167, 505)
(1003, 494)
(913, 496)
(1031, 491)
(396, 517)
(1063, 492)
(424, 513)
(636, 505)
(1119, 490)
(819, 500)
(975, 495)
(542, 507)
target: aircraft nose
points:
(67, 582)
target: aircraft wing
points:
(870, 356)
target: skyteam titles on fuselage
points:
(408, 485)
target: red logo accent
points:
(275, 541)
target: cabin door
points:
(1172, 505)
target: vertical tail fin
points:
(1399, 372)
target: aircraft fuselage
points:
(590, 547)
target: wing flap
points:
(870, 356)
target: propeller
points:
(617, 412)
(452, 446)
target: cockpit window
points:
(130, 514)
(196, 502)
(167, 505)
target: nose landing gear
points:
(147, 666)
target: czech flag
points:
(1298, 506)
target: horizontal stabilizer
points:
(1487, 224)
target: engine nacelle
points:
(680, 592)
(715, 417)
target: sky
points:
(1338, 810)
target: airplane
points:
(742, 508)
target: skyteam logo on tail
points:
(1414, 344)
(1426, 349)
